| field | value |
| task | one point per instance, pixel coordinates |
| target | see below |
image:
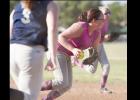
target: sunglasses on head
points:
(107, 13)
(100, 19)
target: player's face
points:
(107, 15)
(100, 21)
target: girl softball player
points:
(72, 41)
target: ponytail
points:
(89, 15)
(83, 17)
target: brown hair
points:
(88, 16)
(28, 3)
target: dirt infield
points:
(90, 91)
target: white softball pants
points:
(26, 69)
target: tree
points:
(118, 19)
(70, 10)
(12, 4)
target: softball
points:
(81, 56)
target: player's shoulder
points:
(18, 6)
(53, 7)
(51, 3)
(79, 24)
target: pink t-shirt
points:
(83, 42)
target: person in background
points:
(102, 57)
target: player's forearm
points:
(52, 21)
(63, 41)
(10, 30)
(52, 40)
(11, 23)
(97, 41)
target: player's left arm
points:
(107, 13)
(97, 41)
(11, 23)
(52, 23)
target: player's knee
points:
(92, 71)
(90, 68)
(59, 83)
(66, 87)
(63, 84)
(107, 66)
(106, 69)
(69, 85)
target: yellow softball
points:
(81, 56)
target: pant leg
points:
(103, 60)
(30, 62)
(14, 70)
(69, 79)
(105, 66)
(63, 74)
(70, 76)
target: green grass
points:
(116, 50)
(117, 54)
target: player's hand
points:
(76, 52)
(107, 37)
(49, 66)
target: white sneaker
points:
(105, 90)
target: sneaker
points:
(47, 85)
(47, 98)
(51, 96)
(105, 90)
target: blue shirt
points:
(31, 28)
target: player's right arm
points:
(52, 21)
(97, 41)
(74, 31)
(11, 23)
